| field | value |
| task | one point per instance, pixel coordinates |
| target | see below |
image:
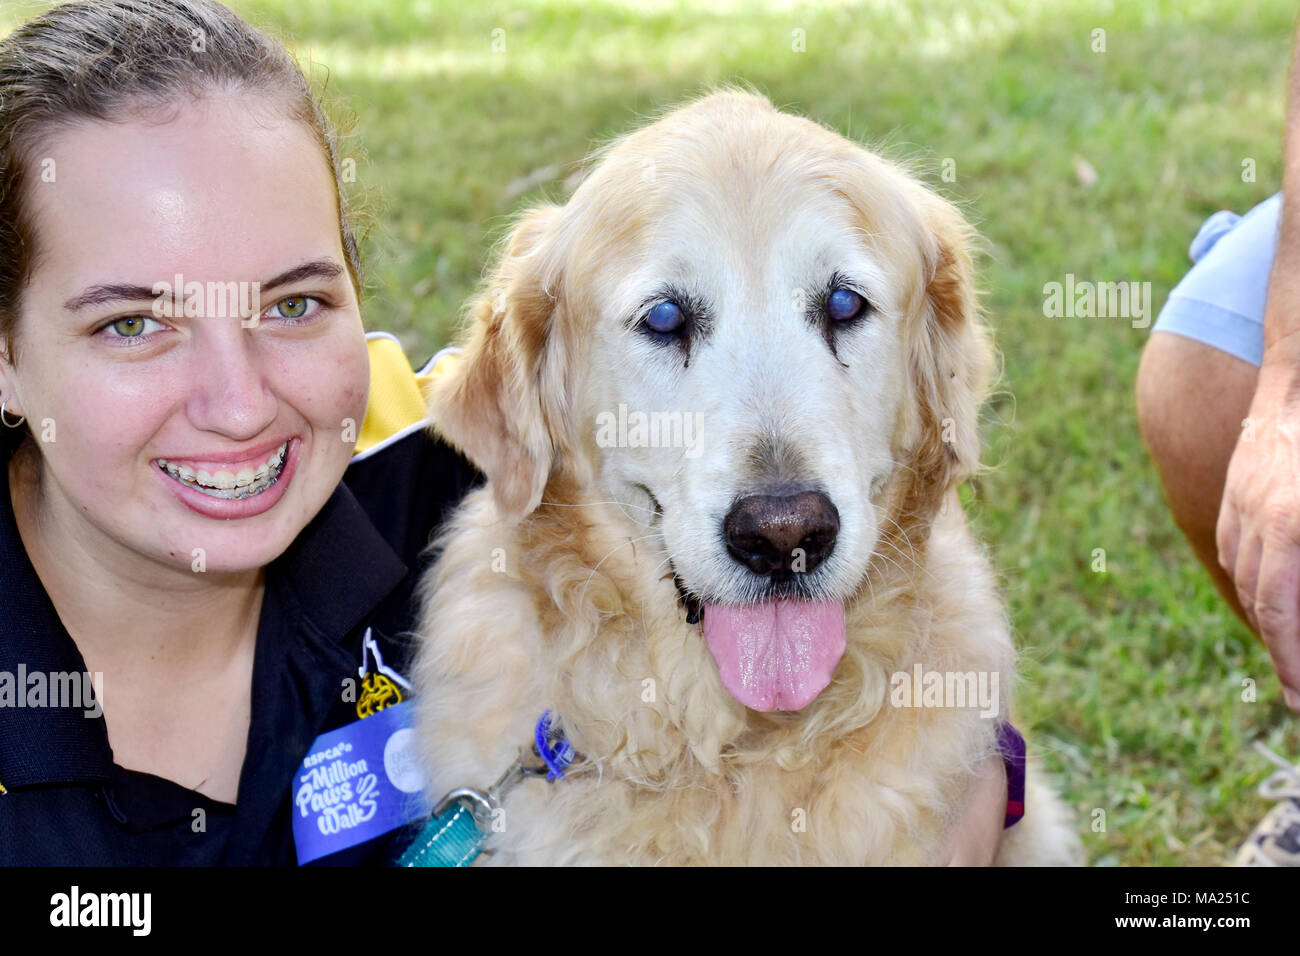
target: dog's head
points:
(762, 341)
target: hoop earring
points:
(4, 418)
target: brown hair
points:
(106, 59)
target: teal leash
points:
(452, 839)
(461, 821)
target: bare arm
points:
(1258, 534)
(1281, 316)
(975, 837)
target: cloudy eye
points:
(845, 304)
(665, 318)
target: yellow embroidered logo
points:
(381, 686)
(377, 692)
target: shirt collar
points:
(335, 573)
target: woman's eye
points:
(131, 326)
(665, 318)
(845, 304)
(293, 307)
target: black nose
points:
(780, 535)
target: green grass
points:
(1132, 677)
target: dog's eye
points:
(845, 304)
(665, 318)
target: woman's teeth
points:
(224, 484)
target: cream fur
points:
(551, 591)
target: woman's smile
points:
(232, 486)
(225, 483)
(228, 475)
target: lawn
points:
(1071, 160)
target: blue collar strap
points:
(461, 821)
(463, 818)
(554, 748)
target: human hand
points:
(1258, 532)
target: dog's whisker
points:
(911, 549)
(890, 561)
(610, 554)
(909, 555)
(666, 561)
(588, 504)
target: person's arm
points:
(1258, 533)
(975, 837)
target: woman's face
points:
(160, 408)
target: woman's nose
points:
(231, 389)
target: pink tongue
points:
(777, 655)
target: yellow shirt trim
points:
(398, 399)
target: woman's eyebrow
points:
(316, 269)
(99, 294)
(325, 268)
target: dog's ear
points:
(503, 402)
(950, 353)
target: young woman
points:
(188, 524)
(184, 379)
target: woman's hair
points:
(109, 60)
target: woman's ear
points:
(951, 355)
(503, 402)
(13, 408)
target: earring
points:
(4, 418)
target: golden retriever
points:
(723, 397)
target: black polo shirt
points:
(352, 569)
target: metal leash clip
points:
(549, 756)
(484, 803)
